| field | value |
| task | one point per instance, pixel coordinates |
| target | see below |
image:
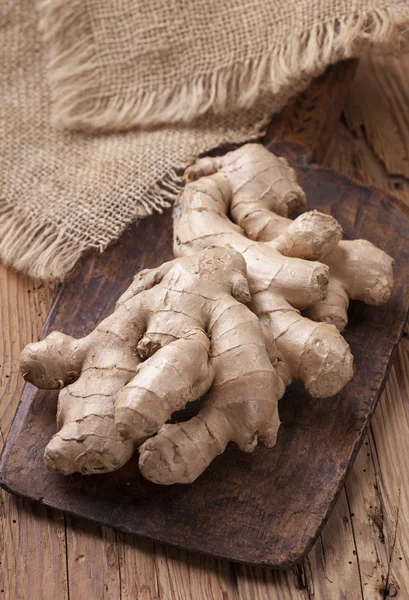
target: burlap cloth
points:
(150, 83)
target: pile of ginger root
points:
(252, 300)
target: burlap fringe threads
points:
(222, 91)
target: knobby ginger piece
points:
(244, 199)
(179, 331)
(182, 330)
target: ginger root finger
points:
(91, 371)
(180, 453)
(53, 362)
(312, 236)
(251, 172)
(89, 446)
(365, 271)
(332, 309)
(314, 353)
(297, 281)
(240, 407)
(86, 369)
(175, 375)
(358, 270)
(86, 440)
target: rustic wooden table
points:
(363, 552)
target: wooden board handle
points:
(303, 130)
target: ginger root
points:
(177, 332)
(258, 191)
(183, 330)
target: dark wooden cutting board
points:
(268, 507)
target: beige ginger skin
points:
(178, 331)
(183, 330)
(258, 191)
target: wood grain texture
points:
(32, 536)
(352, 153)
(371, 144)
(307, 123)
(92, 550)
(333, 560)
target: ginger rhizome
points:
(177, 332)
(183, 330)
(243, 199)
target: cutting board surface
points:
(264, 508)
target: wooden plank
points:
(333, 560)
(150, 570)
(375, 149)
(180, 572)
(374, 146)
(367, 516)
(32, 536)
(137, 563)
(377, 110)
(390, 443)
(92, 561)
(32, 551)
(269, 584)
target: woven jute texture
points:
(103, 102)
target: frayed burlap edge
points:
(72, 70)
(48, 251)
